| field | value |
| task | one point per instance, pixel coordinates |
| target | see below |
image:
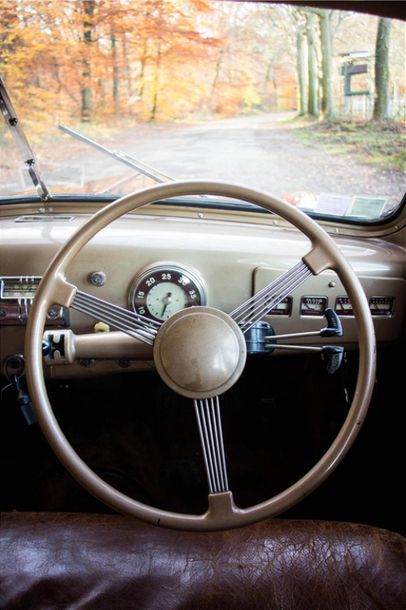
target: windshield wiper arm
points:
(130, 161)
(28, 157)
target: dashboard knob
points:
(97, 278)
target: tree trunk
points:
(326, 39)
(312, 104)
(9, 25)
(156, 84)
(126, 63)
(217, 69)
(381, 103)
(301, 70)
(37, 79)
(141, 77)
(86, 91)
(115, 68)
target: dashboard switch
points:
(97, 278)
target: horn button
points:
(200, 352)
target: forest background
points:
(105, 62)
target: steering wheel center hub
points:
(200, 352)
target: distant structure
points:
(357, 92)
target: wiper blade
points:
(129, 160)
(13, 123)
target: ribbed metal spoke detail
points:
(259, 305)
(211, 437)
(128, 322)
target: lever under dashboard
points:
(65, 347)
(261, 339)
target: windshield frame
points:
(204, 204)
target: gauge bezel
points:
(383, 314)
(164, 267)
(344, 313)
(308, 313)
(283, 312)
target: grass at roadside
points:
(380, 144)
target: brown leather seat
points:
(55, 561)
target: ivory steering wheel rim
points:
(221, 513)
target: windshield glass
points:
(307, 104)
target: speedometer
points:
(161, 291)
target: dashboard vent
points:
(45, 218)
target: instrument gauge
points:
(161, 291)
(313, 306)
(343, 306)
(381, 306)
(284, 308)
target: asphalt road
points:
(260, 151)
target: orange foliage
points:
(156, 59)
(100, 60)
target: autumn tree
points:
(381, 102)
(309, 48)
(301, 60)
(88, 7)
(8, 32)
(297, 21)
(115, 68)
(313, 98)
(165, 59)
(328, 106)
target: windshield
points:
(307, 104)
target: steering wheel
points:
(202, 375)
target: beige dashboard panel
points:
(233, 259)
(327, 284)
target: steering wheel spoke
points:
(128, 322)
(258, 306)
(211, 437)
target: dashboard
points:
(156, 265)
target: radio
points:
(16, 296)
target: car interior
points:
(202, 405)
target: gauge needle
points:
(166, 300)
